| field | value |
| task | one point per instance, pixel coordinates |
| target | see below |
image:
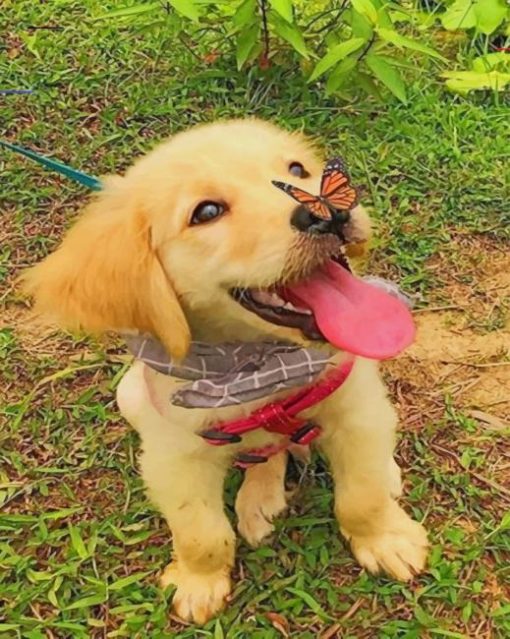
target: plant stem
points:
(265, 28)
(332, 22)
(367, 48)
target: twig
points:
(488, 365)
(484, 480)
(433, 309)
(367, 48)
(48, 27)
(332, 22)
(188, 47)
(357, 604)
(320, 15)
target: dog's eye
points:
(207, 211)
(297, 169)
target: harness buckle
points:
(275, 419)
(306, 434)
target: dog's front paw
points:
(256, 507)
(398, 547)
(198, 597)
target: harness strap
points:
(281, 416)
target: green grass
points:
(80, 546)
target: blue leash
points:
(90, 181)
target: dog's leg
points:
(358, 441)
(189, 493)
(261, 498)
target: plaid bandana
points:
(231, 373)
(238, 372)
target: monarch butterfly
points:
(337, 193)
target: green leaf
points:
(447, 633)
(489, 14)
(291, 34)
(120, 584)
(465, 81)
(461, 15)
(340, 74)
(218, 630)
(283, 8)
(422, 19)
(86, 602)
(423, 617)
(501, 611)
(337, 53)
(309, 601)
(366, 8)
(62, 513)
(245, 13)
(129, 11)
(501, 527)
(490, 61)
(77, 542)
(246, 41)
(368, 85)
(388, 75)
(361, 27)
(407, 43)
(186, 8)
(383, 16)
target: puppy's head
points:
(196, 235)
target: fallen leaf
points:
(279, 622)
(331, 633)
(491, 421)
(210, 58)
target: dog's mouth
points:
(333, 305)
(274, 305)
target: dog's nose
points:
(305, 221)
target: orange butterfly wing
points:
(312, 202)
(320, 209)
(336, 186)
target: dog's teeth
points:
(290, 307)
(267, 298)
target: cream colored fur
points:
(132, 262)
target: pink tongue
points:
(355, 316)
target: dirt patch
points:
(463, 347)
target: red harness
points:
(279, 417)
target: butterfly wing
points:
(312, 202)
(336, 186)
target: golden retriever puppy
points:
(193, 244)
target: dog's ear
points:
(106, 275)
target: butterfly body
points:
(337, 195)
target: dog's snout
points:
(305, 221)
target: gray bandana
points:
(231, 373)
(238, 372)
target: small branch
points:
(367, 48)
(434, 309)
(188, 47)
(48, 27)
(265, 28)
(472, 365)
(332, 22)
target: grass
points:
(80, 546)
